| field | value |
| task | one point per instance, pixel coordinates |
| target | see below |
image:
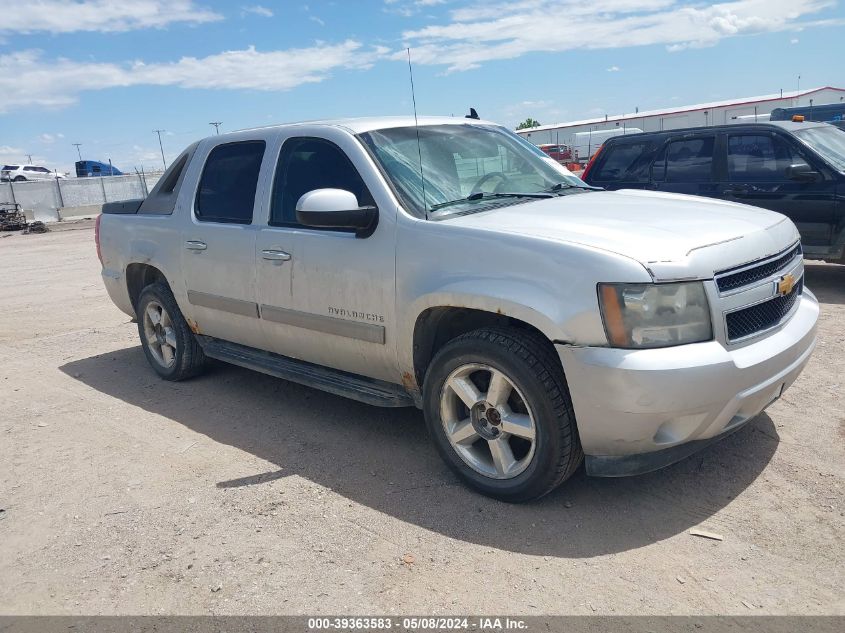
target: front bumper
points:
(640, 410)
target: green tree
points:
(529, 122)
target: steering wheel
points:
(481, 181)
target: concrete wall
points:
(44, 200)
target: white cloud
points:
(27, 79)
(63, 16)
(794, 40)
(612, 69)
(48, 138)
(257, 9)
(505, 30)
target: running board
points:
(340, 383)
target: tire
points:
(20, 179)
(538, 403)
(172, 350)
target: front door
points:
(757, 164)
(337, 307)
(218, 257)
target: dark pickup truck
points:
(797, 169)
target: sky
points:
(106, 74)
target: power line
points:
(78, 145)
(161, 147)
(216, 125)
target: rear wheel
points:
(169, 345)
(498, 408)
(20, 179)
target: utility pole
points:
(161, 147)
(798, 92)
(29, 156)
(77, 146)
(216, 125)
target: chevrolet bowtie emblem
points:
(786, 284)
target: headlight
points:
(655, 315)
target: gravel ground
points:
(237, 493)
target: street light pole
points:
(77, 146)
(216, 125)
(161, 147)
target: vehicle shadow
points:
(382, 458)
(827, 281)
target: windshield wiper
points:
(565, 185)
(483, 195)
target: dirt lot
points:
(239, 493)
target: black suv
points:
(797, 169)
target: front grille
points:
(730, 281)
(762, 316)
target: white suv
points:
(19, 173)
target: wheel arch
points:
(140, 275)
(436, 325)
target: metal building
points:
(716, 113)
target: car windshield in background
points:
(828, 141)
(465, 167)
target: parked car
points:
(823, 112)
(560, 153)
(19, 173)
(797, 169)
(452, 266)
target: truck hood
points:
(674, 236)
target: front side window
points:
(759, 157)
(624, 162)
(229, 179)
(690, 160)
(30, 168)
(488, 164)
(306, 164)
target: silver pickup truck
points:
(454, 267)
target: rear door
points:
(686, 165)
(218, 256)
(756, 174)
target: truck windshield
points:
(465, 168)
(827, 141)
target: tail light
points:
(97, 237)
(591, 162)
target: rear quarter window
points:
(624, 161)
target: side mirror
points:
(336, 209)
(802, 172)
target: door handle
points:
(195, 245)
(275, 255)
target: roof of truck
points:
(367, 124)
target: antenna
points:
(417, 127)
(161, 147)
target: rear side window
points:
(9, 167)
(228, 183)
(689, 160)
(759, 157)
(623, 161)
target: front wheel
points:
(169, 345)
(498, 407)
